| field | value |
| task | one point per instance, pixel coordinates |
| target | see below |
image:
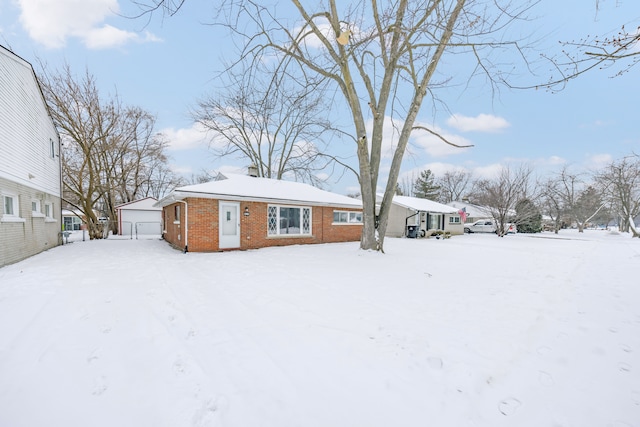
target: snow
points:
(241, 187)
(421, 204)
(474, 330)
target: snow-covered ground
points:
(471, 331)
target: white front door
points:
(229, 225)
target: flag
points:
(463, 214)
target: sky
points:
(166, 64)
(134, 333)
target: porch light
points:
(246, 211)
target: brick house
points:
(244, 212)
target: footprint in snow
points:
(624, 367)
(100, 385)
(208, 411)
(509, 406)
(626, 348)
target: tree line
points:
(111, 153)
(608, 195)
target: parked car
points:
(486, 226)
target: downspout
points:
(406, 222)
(186, 225)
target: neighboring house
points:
(72, 220)
(30, 169)
(416, 217)
(246, 212)
(139, 217)
(472, 212)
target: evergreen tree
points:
(528, 217)
(425, 187)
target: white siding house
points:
(30, 170)
(140, 217)
(416, 217)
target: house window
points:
(10, 208)
(347, 217)
(52, 148)
(454, 220)
(36, 211)
(10, 205)
(176, 212)
(48, 210)
(286, 220)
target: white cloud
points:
(597, 161)
(186, 138)
(107, 36)
(481, 123)
(555, 160)
(314, 42)
(51, 23)
(430, 143)
(487, 172)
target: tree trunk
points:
(632, 226)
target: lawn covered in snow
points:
(475, 330)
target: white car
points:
(486, 226)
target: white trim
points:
(14, 216)
(278, 220)
(349, 221)
(228, 241)
(10, 218)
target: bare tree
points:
(454, 185)
(597, 52)
(502, 194)
(382, 60)
(620, 181)
(552, 203)
(579, 200)
(110, 152)
(274, 122)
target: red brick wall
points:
(203, 227)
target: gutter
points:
(186, 225)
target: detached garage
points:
(140, 218)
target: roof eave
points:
(181, 195)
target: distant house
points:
(139, 217)
(30, 182)
(416, 217)
(72, 220)
(472, 212)
(245, 212)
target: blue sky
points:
(165, 65)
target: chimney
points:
(252, 171)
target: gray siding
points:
(27, 167)
(19, 240)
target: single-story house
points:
(247, 212)
(472, 212)
(139, 217)
(73, 220)
(416, 217)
